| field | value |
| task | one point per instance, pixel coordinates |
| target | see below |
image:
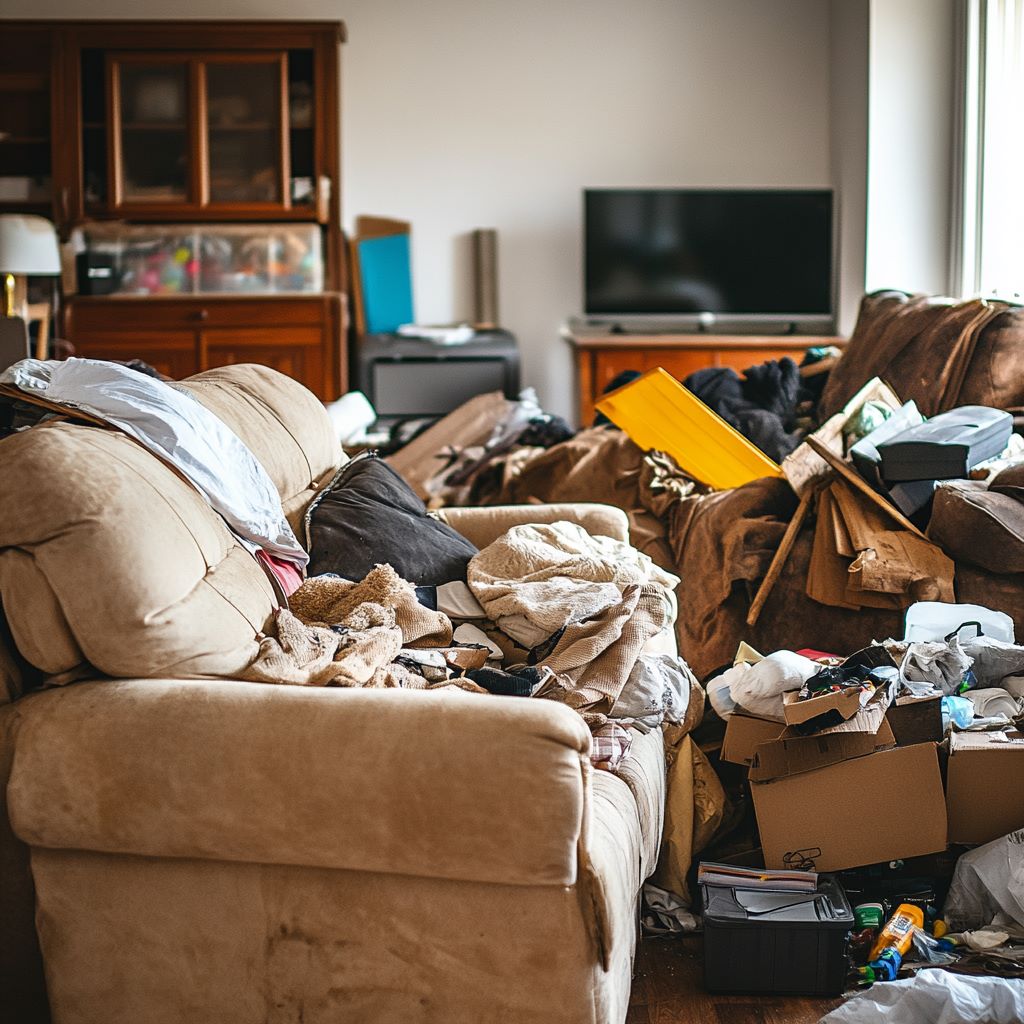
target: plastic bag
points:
(987, 881)
(759, 688)
(943, 665)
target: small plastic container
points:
(766, 942)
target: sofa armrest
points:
(440, 784)
(481, 526)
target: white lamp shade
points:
(28, 245)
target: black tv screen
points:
(734, 252)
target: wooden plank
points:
(781, 555)
(850, 475)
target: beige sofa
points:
(177, 848)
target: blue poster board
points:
(385, 269)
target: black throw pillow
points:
(368, 515)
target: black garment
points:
(618, 381)
(368, 515)
(518, 683)
(761, 405)
(545, 430)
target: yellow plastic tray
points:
(659, 414)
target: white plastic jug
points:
(936, 620)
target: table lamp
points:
(28, 247)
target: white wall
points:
(497, 113)
(910, 116)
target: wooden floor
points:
(667, 989)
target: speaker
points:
(485, 275)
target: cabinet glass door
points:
(246, 138)
(150, 116)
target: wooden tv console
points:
(600, 357)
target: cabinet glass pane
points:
(154, 132)
(243, 111)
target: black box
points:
(767, 942)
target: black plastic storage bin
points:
(761, 942)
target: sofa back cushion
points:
(938, 352)
(111, 561)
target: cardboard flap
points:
(792, 754)
(985, 741)
(847, 702)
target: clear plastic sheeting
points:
(935, 997)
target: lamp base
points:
(15, 295)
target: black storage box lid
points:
(947, 446)
(734, 905)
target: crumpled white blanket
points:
(935, 997)
(178, 429)
(535, 579)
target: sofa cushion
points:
(978, 525)
(283, 424)
(367, 515)
(1010, 482)
(108, 557)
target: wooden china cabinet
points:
(196, 166)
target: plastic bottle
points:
(868, 915)
(892, 944)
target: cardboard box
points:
(792, 753)
(916, 720)
(846, 702)
(887, 805)
(743, 734)
(985, 785)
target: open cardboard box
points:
(985, 785)
(887, 805)
(791, 753)
(916, 720)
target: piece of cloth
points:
(610, 744)
(520, 682)
(935, 997)
(657, 690)
(177, 428)
(286, 575)
(556, 574)
(327, 600)
(592, 658)
(467, 633)
(363, 641)
(456, 600)
(937, 352)
(367, 515)
(761, 404)
(759, 688)
(664, 913)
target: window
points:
(989, 246)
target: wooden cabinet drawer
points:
(100, 314)
(173, 353)
(295, 351)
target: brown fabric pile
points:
(936, 352)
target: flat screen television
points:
(764, 254)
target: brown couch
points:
(179, 846)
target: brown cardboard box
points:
(985, 785)
(743, 733)
(916, 720)
(885, 806)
